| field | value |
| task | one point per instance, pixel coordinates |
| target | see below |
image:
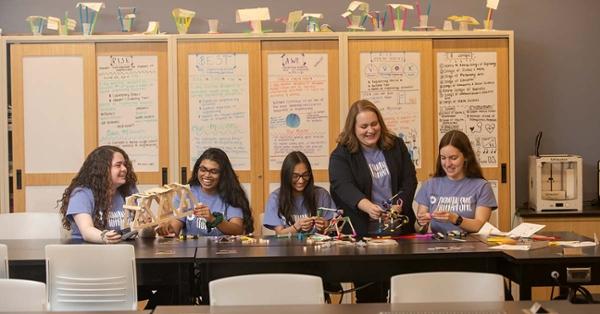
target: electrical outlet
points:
(579, 274)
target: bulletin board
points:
(300, 105)
(132, 93)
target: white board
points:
(467, 88)
(128, 107)
(219, 106)
(298, 98)
(53, 114)
(392, 81)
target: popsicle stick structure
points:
(337, 223)
(292, 21)
(126, 17)
(356, 15)
(61, 26)
(491, 5)
(377, 20)
(463, 21)
(254, 17)
(88, 15)
(312, 21)
(399, 14)
(153, 28)
(139, 206)
(183, 19)
(36, 24)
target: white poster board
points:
(53, 114)
(392, 81)
(467, 88)
(128, 107)
(298, 107)
(219, 106)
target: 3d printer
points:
(556, 183)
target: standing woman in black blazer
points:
(369, 166)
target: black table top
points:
(588, 211)
(381, 308)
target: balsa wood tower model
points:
(139, 206)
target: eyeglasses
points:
(214, 171)
(296, 177)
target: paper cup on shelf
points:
(463, 26)
(213, 26)
(447, 25)
(423, 19)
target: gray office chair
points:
(3, 261)
(17, 295)
(267, 289)
(89, 277)
(447, 287)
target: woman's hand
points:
(169, 228)
(110, 237)
(444, 216)
(202, 211)
(306, 224)
(374, 211)
(423, 216)
(320, 223)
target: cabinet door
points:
(300, 106)
(472, 95)
(52, 103)
(133, 110)
(220, 106)
(396, 76)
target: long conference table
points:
(508, 307)
(189, 265)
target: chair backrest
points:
(17, 295)
(32, 225)
(267, 289)
(86, 277)
(447, 287)
(265, 231)
(3, 261)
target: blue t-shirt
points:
(81, 201)
(381, 181)
(460, 196)
(197, 226)
(272, 218)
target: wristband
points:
(218, 219)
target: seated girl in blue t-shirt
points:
(293, 207)
(457, 197)
(92, 205)
(222, 209)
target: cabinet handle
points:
(503, 173)
(165, 176)
(19, 180)
(183, 174)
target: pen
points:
(459, 240)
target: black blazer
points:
(351, 181)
